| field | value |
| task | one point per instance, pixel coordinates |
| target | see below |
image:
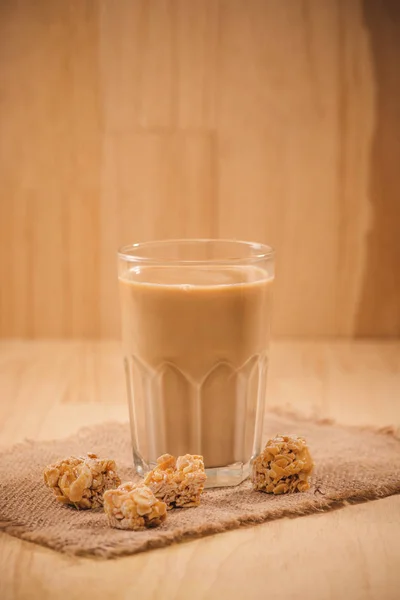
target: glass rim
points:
(258, 251)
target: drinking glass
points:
(195, 328)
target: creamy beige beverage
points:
(195, 345)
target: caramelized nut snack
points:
(133, 506)
(283, 466)
(178, 482)
(81, 481)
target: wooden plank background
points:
(129, 120)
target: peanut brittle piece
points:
(133, 506)
(81, 481)
(178, 482)
(284, 466)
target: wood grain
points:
(50, 170)
(256, 119)
(353, 552)
(379, 311)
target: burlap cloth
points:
(351, 465)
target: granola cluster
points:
(133, 506)
(178, 482)
(81, 481)
(284, 466)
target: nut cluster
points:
(81, 481)
(133, 506)
(284, 466)
(178, 482)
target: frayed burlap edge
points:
(391, 430)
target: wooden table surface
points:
(49, 389)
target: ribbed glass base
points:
(218, 477)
